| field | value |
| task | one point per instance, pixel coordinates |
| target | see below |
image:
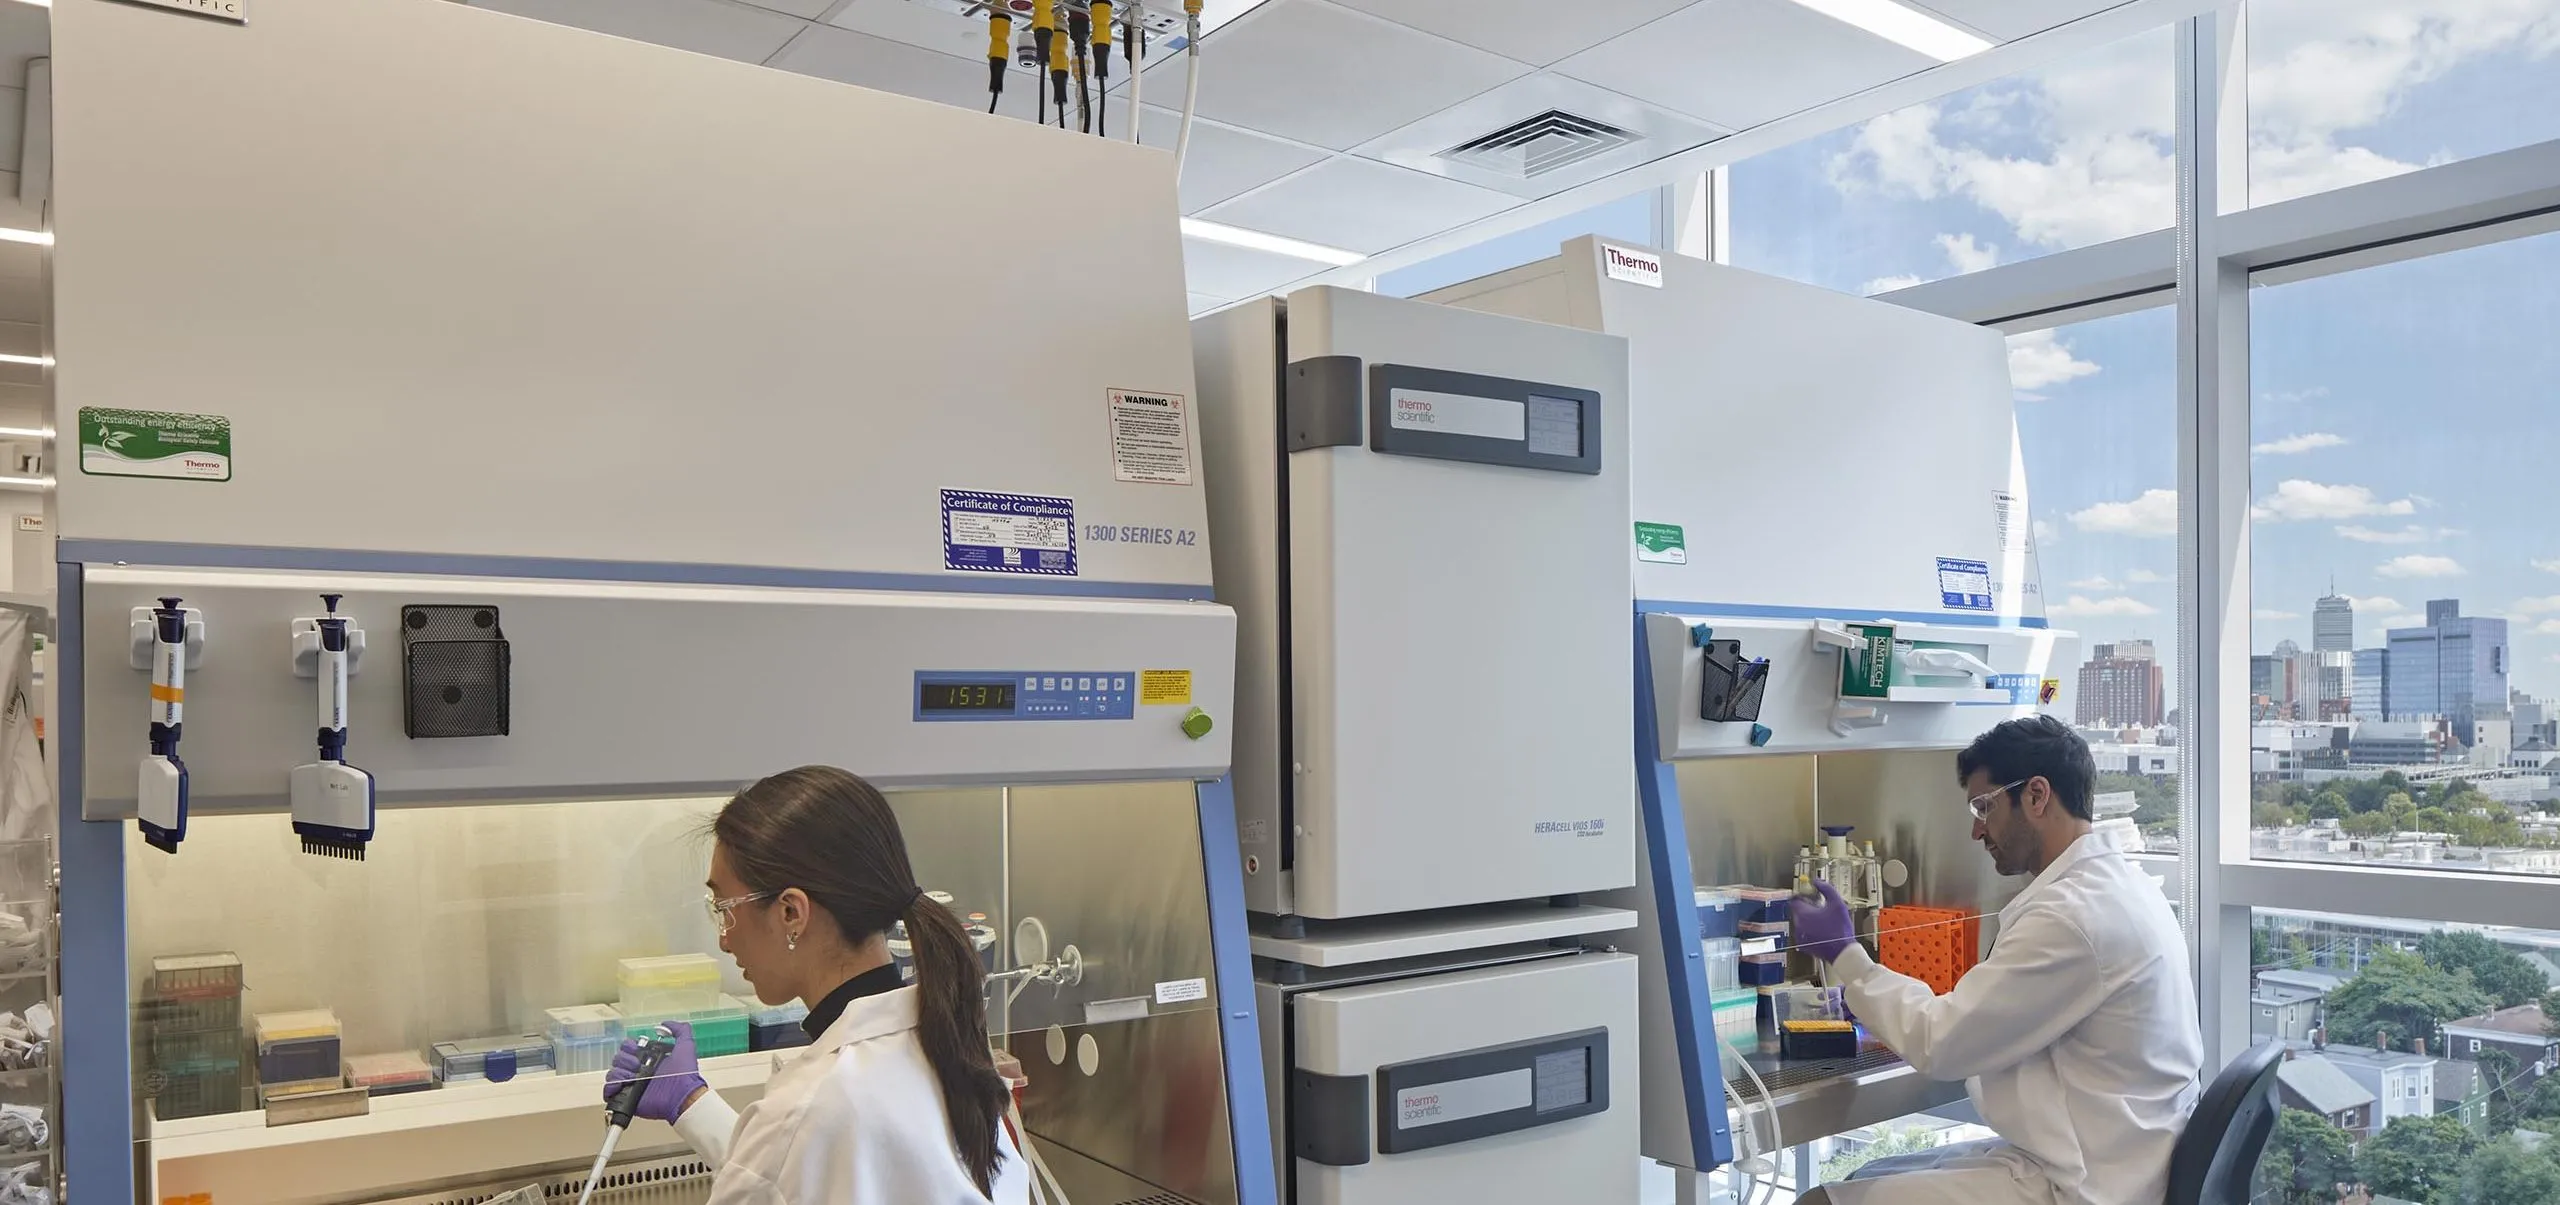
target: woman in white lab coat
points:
(897, 1102)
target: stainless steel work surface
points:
(1820, 1098)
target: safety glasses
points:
(722, 911)
(1981, 804)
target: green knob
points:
(1197, 724)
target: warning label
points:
(1151, 437)
(1164, 687)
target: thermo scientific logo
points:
(224, 10)
(1631, 266)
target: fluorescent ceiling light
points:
(38, 361)
(1904, 26)
(26, 432)
(41, 238)
(1256, 240)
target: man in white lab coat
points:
(2077, 1037)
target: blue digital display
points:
(981, 696)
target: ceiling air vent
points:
(1551, 141)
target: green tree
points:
(2543, 1104)
(2262, 952)
(1891, 1142)
(2401, 996)
(2551, 1013)
(2498, 1075)
(2305, 1160)
(2418, 1159)
(2437, 820)
(2367, 824)
(2495, 969)
(2329, 805)
(2301, 960)
(2505, 1173)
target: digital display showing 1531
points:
(964, 696)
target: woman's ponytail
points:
(951, 1023)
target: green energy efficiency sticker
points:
(1662, 543)
(148, 443)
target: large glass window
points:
(2345, 91)
(2406, 586)
(2064, 157)
(2423, 1062)
(2096, 404)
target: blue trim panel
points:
(1240, 1032)
(97, 1044)
(1675, 903)
(320, 560)
(1959, 619)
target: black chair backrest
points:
(2217, 1154)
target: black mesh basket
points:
(456, 661)
(1733, 685)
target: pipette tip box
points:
(777, 1028)
(671, 985)
(298, 1047)
(584, 1037)
(390, 1074)
(495, 1060)
(716, 1031)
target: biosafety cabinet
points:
(558, 493)
(1416, 512)
(1835, 585)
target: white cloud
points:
(2549, 566)
(2041, 360)
(2320, 71)
(2081, 606)
(2420, 566)
(2548, 627)
(2100, 584)
(2047, 532)
(2412, 534)
(2155, 513)
(1966, 253)
(2296, 499)
(2536, 606)
(2295, 445)
(2368, 606)
(2275, 615)
(2144, 577)
(2405, 621)
(2288, 397)
(1887, 284)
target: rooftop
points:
(2524, 1021)
(2284, 993)
(2317, 1082)
(2368, 1056)
(2323, 982)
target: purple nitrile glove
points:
(678, 1076)
(1824, 928)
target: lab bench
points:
(1822, 1098)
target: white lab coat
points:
(2077, 1039)
(855, 1119)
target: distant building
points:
(2371, 684)
(2519, 1031)
(2401, 742)
(2333, 624)
(2313, 1084)
(2535, 719)
(2284, 752)
(2284, 1012)
(2121, 686)
(2455, 667)
(2462, 1093)
(2403, 1083)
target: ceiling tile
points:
(1224, 162)
(725, 28)
(1311, 72)
(1218, 270)
(1532, 31)
(812, 9)
(1359, 205)
(2005, 20)
(1739, 63)
(853, 58)
(917, 25)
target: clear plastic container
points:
(674, 984)
(1737, 1019)
(195, 976)
(1724, 965)
(496, 1060)
(584, 1038)
(1719, 911)
(298, 1049)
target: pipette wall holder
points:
(1732, 684)
(454, 664)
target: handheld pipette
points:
(618, 1110)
